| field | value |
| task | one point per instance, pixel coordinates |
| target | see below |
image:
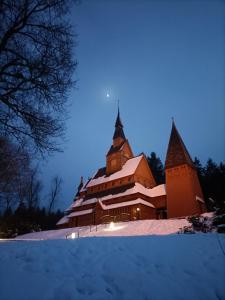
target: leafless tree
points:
(19, 181)
(56, 188)
(32, 189)
(36, 67)
(14, 168)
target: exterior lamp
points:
(138, 209)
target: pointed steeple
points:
(120, 150)
(118, 128)
(177, 153)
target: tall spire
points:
(118, 127)
(120, 150)
(177, 153)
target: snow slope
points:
(168, 267)
(144, 227)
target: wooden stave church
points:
(126, 190)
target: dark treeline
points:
(211, 177)
(24, 220)
(212, 180)
(21, 193)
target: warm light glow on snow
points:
(111, 225)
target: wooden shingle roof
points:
(177, 153)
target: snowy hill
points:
(125, 268)
(144, 227)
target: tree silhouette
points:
(36, 67)
(212, 179)
(156, 167)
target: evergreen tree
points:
(156, 167)
(212, 180)
(199, 167)
(202, 180)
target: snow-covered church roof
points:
(128, 169)
(159, 190)
(125, 203)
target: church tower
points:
(120, 151)
(184, 194)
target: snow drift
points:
(143, 227)
(98, 268)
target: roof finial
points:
(118, 104)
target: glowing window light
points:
(111, 225)
(138, 209)
(73, 235)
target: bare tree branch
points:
(36, 67)
(55, 192)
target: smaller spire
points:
(177, 153)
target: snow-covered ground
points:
(99, 268)
(145, 227)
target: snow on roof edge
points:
(63, 220)
(119, 174)
(126, 203)
(200, 199)
(156, 191)
(80, 213)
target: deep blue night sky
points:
(161, 59)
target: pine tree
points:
(156, 167)
(199, 167)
